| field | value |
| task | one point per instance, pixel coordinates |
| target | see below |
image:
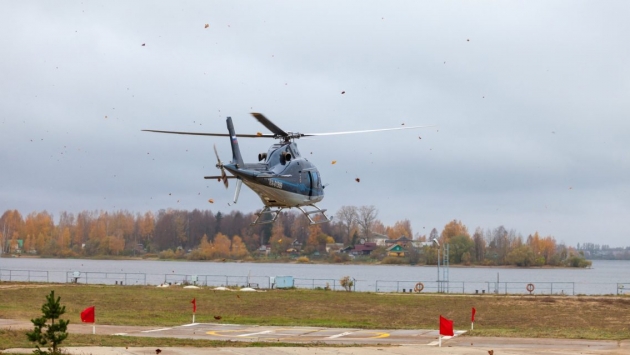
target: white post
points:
(193, 318)
(440, 341)
(93, 328)
(472, 325)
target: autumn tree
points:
(348, 216)
(221, 245)
(238, 250)
(400, 228)
(459, 246)
(367, 216)
(279, 241)
(452, 229)
(11, 224)
(521, 256)
(479, 245)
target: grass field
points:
(582, 317)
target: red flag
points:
(194, 302)
(472, 319)
(446, 326)
(87, 316)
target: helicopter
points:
(282, 178)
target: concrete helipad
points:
(368, 341)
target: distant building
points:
(396, 250)
(363, 249)
(402, 241)
(379, 239)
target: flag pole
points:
(193, 317)
(93, 328)
(440, 341)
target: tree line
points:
(205, 235)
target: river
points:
(604, 277)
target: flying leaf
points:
(206, 26)
(357, 180)
(211, 200)
(334, 162)
(259, 134)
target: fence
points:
(218, 280)
(544, 288)
(106, 278)
(24, 275)
(265, 282)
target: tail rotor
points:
(220, 166)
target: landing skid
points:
(275, 212)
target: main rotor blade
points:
(213, 134)
(270, 125)
(364, 131)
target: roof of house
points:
(365, 247)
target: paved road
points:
(382, 342)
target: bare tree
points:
(480, 244)
(367, 216)
(348, 217)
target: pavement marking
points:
(339, 335)
(155, 330)
(190, 325)
(447, 337)
(250, 334)
(380, 335)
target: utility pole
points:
(437, 243)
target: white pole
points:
(472, 325)
(93, 328)
(193, 318)
(440, 341)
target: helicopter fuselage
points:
(283, 179)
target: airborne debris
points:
(334, 162)
(217, 317)
(343, 92)
(259, 134)
(211, 200)
(144, 44)
(357, 180)
(206, 25)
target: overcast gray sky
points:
(531, 100)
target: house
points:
(396, 250)
(402, 241)
(264, 249)
(333, 247)
(363, 249)
(378, 239)
(296, 245)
